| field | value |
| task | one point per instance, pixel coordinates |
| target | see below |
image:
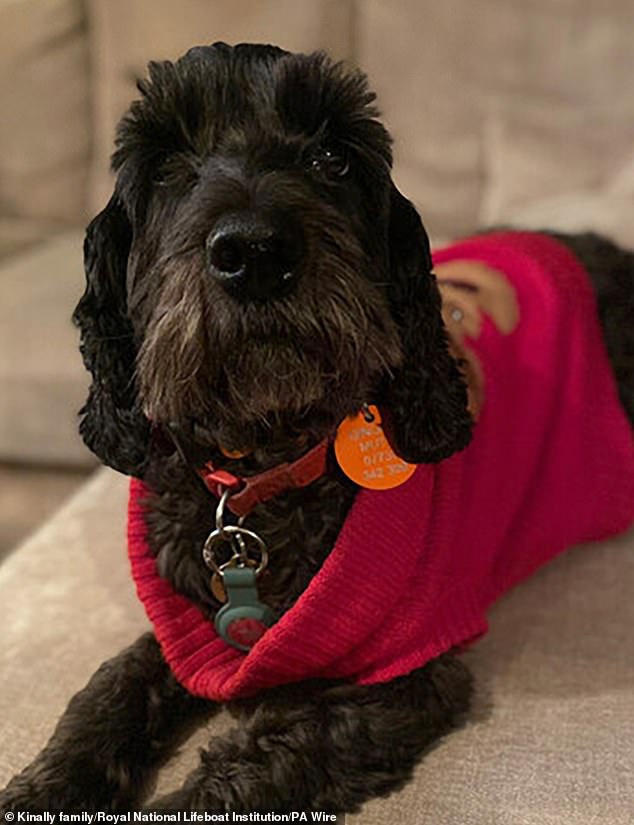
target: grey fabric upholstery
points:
(42, 378)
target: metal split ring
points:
(368, 415)
(239, 534)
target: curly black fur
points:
(293, 140)
(112, 423)
(253, 130)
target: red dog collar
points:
(252, 490)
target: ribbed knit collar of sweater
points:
(551, 465)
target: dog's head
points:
(256, 276)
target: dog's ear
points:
(111, 422)
(426, 416)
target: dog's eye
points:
(331, 162)
(176, 172)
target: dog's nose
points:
(255, 258)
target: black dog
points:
(255, 278)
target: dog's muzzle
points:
(255, 257)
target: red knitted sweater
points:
(414, 568)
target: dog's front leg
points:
(329, 749)
(113, 733)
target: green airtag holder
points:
(244, 619)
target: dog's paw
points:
(45, 786)
(36, 795)
(21, 797)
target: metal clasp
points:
(248, 549)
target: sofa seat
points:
(550, 742)
(43, 380)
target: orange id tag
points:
(364, 453)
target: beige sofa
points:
(511, 112)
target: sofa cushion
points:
(551, 737)
(45, 126)
(495, 104)
(43, 380)
(19, 234)
(126, 34)
(541, 176)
